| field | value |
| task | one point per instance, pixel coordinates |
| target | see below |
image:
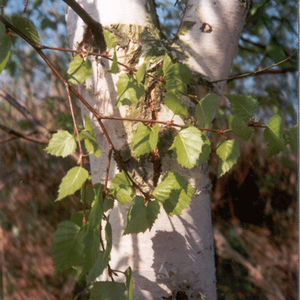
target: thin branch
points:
(259, 72)
(107, 171)
(25, 6)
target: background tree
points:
(221, 121)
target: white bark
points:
(177, 254)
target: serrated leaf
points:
(67, 246)
(167, 64)
(79, 70)
(153, 139)
(72, 182)
(5, 41)
(243, 106)
(96, 212)
(106, 290)
(141, 217)
(240, 127)
(114, 66)
(140, 140)
(205, 110)
(121, 187)
(26, 27)
(174, 192)
(128, 90)
(88, 125)
(228, 152)
(174, 102)
(110, 39)
(274, 135)
(140, 74)
(90, 141)
(292, 137)
(205, 151)
(62, 144)
(129, 283)
(188, 145)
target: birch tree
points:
(147, 103)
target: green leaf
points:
(26, 27)
(243, 106)
(79, 70)
(174, 102)
(141, 140)
(292, 137)
(121, 187)
(62, 144)
(205, 110)
(228, 152)
(240, 127)
(188, 145)
(92, 146)
(114, 66)
(274, 135)
(153, 139)
(72, 182)
(205, 151)
(77, 217)
(141, 217)
(174, 192)
(96, 212)
(110, 39)
(140, 74)
(128, 90)
(88, 125)
(167, 64)
(106, 290)
(5, 41)
(129, 283)
(67, 246)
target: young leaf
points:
(188, 145)
(67, 246)
(114, 66)
(88, 125)
(153, 139)
(140, 74)
(205, 151)
(121, 187)
(141, 217)
(174, 102)
(26, 27)
(141, 140)
(274, 135)
(243, 106)
(167, 64)
(62, 144)
(79, 70)
(5, 41)
(228, 152)
(205, 110)
(96, 211)
(129, 283)
(128, 90)
(240, 127)
(174, 192)
(107, 290)
(72, 182)
(110, 39)
(92, 146)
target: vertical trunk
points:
(177, 254)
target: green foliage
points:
(188, 145)
(26, 27)
(128, 90)
(145, 139)
(239, 127)
(96, 211)
(114, 67)
(121, 188)
(129, 283)
(274, 135)
(205, 151)
(79, 70)
(89, 138)
(110, 39)
(61, 144)
(228, 153)
(140, 74)
(206, 109)
(293, 137)
(103, 290)
(174, 192)
(5, 51)
(141, 217)
(173, 101)
(72, 182)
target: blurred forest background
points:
(254, 206)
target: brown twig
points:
(25, 6)
(107, 171)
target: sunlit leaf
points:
(79, 70)
(110, 39)
(114, 66)
(72, 182)
(5, 41)
(62, 144)
(240, 127)
(206, 109)
(174, 102)
(26, 27)
(96, 211)
(228, 152)
(141, 73)
(174, 192)
(121, 187)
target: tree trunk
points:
(177, 255)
